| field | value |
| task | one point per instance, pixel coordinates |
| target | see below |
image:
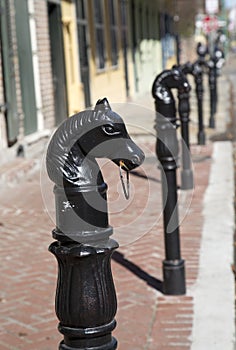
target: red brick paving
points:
(146, 320)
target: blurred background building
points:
(59, 56)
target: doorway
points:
(9, 106)
(82, 25)
(58, 61)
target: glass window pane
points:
(99, 34)
(113, 33)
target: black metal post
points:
(178, 49)
(202, 51)
(219, 61)
(196, 69)
(199, 67)
(198, 78)
(184, 110)
(214, 64)
(212, 88)
(86, 298)
(167, 153)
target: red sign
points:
(210, 24)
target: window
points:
(113, 33)
(82, 35)
(140, 19)
(99, 33)
(83, 41)
(147, 24)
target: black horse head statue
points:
(187, 68)
(169, 79)
(194, 69)
(81, 208)
(202, 50)
(161, 91)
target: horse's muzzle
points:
(131, 156)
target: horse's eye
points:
(176, 75)
(110, 130)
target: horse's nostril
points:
(135, 159)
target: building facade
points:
(59, 57)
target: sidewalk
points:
(203, 319)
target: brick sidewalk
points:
(146, 319)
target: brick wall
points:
(45, 72)
(3, 122)
(16, 72)
(3, 136)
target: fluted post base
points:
(85, 299)
(201, 139)
(97, 338)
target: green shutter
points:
(8, 73)
(26, 66)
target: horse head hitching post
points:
(202, 51)
(202, 66)
(167, 153)
(197, 71)
(86, 298)
(184, 111)
(212, 79)
(215, 63)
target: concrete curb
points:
(214, 315)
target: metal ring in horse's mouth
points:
(122, 165)
(125, 189)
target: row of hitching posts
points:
(167, 148)
(86, 299)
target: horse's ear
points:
(103, 104)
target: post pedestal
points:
(167, 153)
(85, 298)
(174, 277)
(173, 265)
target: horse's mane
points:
(159, 88)
(164, 75)
(59, 159)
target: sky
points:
(230, 3)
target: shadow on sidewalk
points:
(144, 176)
(136, 270)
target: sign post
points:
(212, 6)
(210, 24)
